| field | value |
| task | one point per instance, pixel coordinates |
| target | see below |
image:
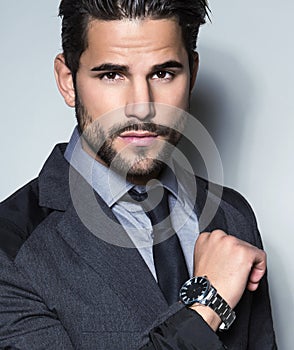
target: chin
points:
(143, 168)
(146, 168)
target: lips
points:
(138, 138)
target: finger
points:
(257, 271)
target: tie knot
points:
(154, 202)
(137, 196)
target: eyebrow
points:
(123, 68)
(168, 64)
(110, 67)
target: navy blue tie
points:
(169, 261)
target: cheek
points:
(182, 95)
(98, 98)
(176, 95)
(181, 99)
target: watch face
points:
(194, 290)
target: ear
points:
(64, 80)
(194, 70)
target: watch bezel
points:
(201, 296)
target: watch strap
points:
(224, 311)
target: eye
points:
(110, 76)
(163, 75)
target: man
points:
(83, 261)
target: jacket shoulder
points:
(230, 196)
(20, 214)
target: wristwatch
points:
(199, 290)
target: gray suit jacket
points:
(62, 287)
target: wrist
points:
(208, 315)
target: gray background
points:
(244, 97)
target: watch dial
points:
(194, 290)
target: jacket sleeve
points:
(25, 321)
(185, 330)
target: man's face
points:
(130, 69)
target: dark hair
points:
(76, 15)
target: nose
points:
(140, 102)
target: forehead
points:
(134, 39)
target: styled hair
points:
(77, 14)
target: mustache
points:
(160, 130)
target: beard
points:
(131, 164)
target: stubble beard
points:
(140, 164)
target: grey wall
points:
(33, 115)
(244, 97)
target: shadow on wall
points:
(221, 101)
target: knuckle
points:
(218, 232)
(202, 238)
(230, 240)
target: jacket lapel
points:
(122, 268)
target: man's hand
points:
(230, 264)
